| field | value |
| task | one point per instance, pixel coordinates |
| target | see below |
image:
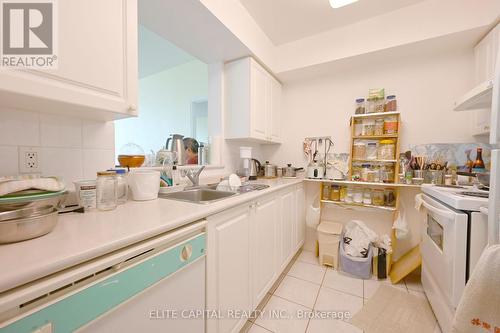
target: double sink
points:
(209, 193)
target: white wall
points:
(71, 148)
(425, 88)
(164, 106)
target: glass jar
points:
(386, 150)
(335, 193)
(387, 173)
(106, 189)
(357, 196)
(360, 106)
(371, 176)
(343, 193)
(349, 198)
(390, 125)
(121, 186)
(389, 197)
(368, 127)
(379, 127)
(356, 172)
(371, 151)
(378, 198)
(391, 104)
(365, 169)
(326, 192)
(367, 197)
(359, 150)
(375, 105)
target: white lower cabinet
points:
(248, 248)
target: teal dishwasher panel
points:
(93, 301)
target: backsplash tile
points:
(60, 131)
(97, 160)
(19, 128)
(9, 160)
(70, 147)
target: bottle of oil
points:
(478, 165)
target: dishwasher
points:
(157, 285)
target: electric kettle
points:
(254, 169)
(176, 144)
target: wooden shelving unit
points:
(358, 205)
(358, 183)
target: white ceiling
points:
(157, 54)
(284, 21)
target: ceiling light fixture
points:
(341, 3)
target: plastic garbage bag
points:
(400, 226)
(313, 213)
(357, 239)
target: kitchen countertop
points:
(81, 237)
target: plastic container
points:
(335, 193)
(121, 186)
(360, 106)
(86, 193)
(326, 192)
(386, 150)
(329, 240)
(379, 127)
(357, 196)
(106, 190)
(359, 150)
(358, 127)
(378, 198)
(371, 150)
(349, 197)
(144, 184)
(367, 197)
(375, 105)
(368, 127)
(356, 266)
(390, 125)
(389, 197)
(391, 104)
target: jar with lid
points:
(368, 127)
(389, 197)
(356, 172)
(386, 149)
(391, 104)
(379, 127)
(365, 169)
(357, 196)
(359, 150)
(121, 186)
(326, 191)
(349, 197)
(343, 193)
(371, 150)
(335, 193)
(375, 105)
(391, 125)
(378, 197)
(358, 127)
(387, 173)
(360, 106)
(106, 190)
(367, 196)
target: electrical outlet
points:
(29, 159)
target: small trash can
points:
(329, 240)
(357, 266)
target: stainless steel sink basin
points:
(198, 195)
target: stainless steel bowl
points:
(32, 199)
(27, 223)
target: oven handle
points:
(420, 200)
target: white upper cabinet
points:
(253, 102)
(97, 57)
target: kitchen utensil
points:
(270, 170)
(27, 223)
(131, 156)
(315, 170)
(254, 169)
(164, 156)
(175, 144)
(290, 171)
(144, 184)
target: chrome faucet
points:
(193, 175)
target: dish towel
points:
(479, 308)
(10, 185)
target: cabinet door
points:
(264, 224)
(274, 123)
(300, 218)
(259, 101)
(228, 268)
(97, 64)
(286, 230)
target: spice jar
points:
(391, 104)
(390, 125)
(360, 106)
(371, 151)
(367, 197)
(359, 150)
(335, 193)
(378, 197)
(379, 127)
(386, 150)
(106, 190)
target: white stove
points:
(461, 198)
(454, 236)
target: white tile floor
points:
(307, 286)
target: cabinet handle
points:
(186, 252)
(132, 108)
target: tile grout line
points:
(316, 300)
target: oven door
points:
(444, 248)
